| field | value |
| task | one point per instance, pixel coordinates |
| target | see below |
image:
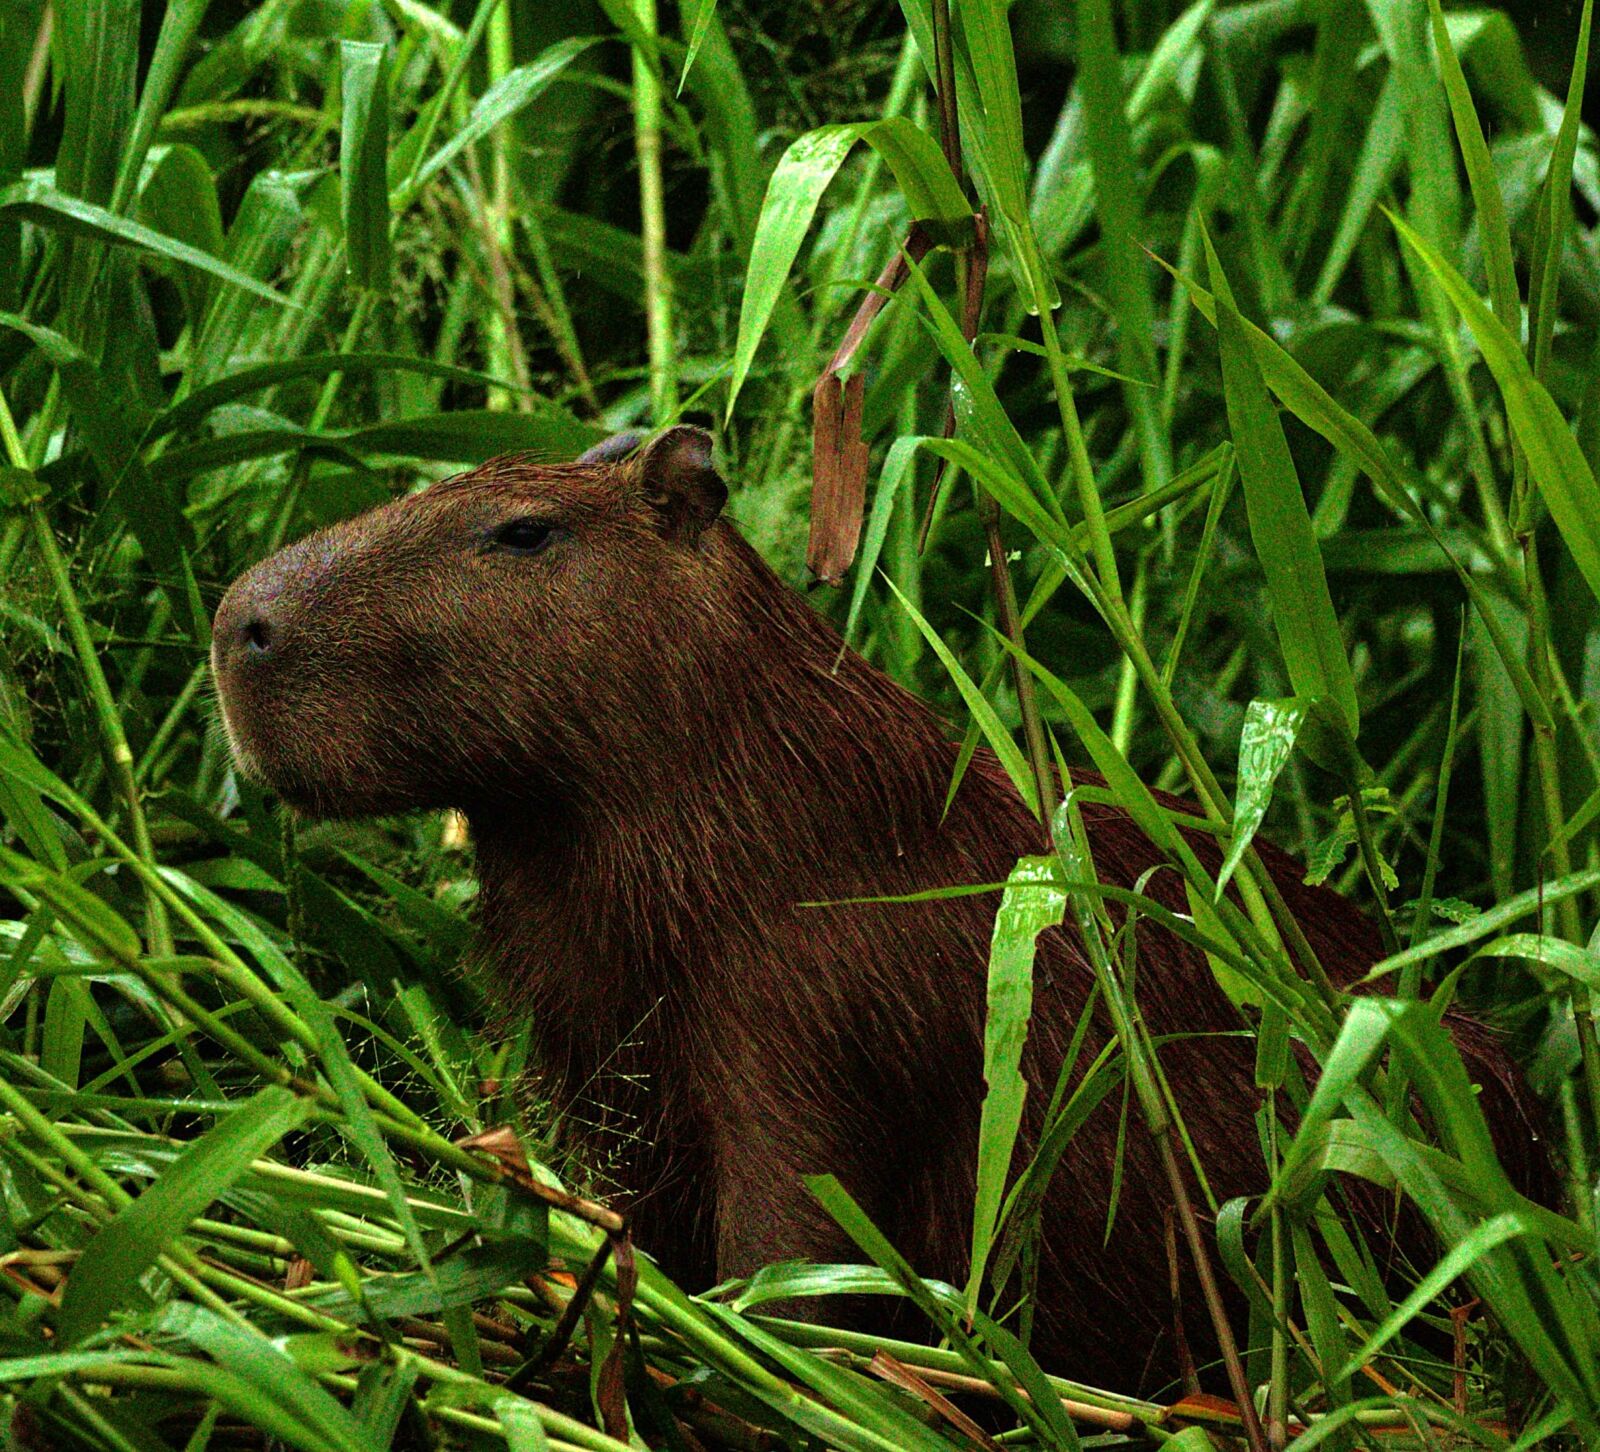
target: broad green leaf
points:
(1322, 1314)
(699, 14)
(996, 108)
(258, 1370)
(979, 413)
(1555, 207)
(22, 805)
(1315, 407)
(1171, 66)
(1237, 986)
(364, 162)
(1280, 527)
(1032, 903)
(797, 185)
(1265, 745)
(1382, 149)
(472, 1275)
(179, 24)
(150, 510)
(465, 436)
(258, 241)
(193, 408)
(1555, 461)
(99, 46)
(780, 1281)
(1118, 192)
(19, 763)
(179, 200)
(1011, 493)
(90, 919)
(896, 472)
(66, 1015)
(1573, 959)
(107, 1274)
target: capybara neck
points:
(777, 769)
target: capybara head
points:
(496, 635)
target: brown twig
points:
(555, 1342)
(502, 1145)
(1458, 1326)
(838, 451)
(692, 1407)
(894, 274)
(944, 65)
(897, 1373)
(610, 1392)
(1254, 1434)
(1186, 1367)
(1104, 1417)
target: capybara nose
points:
(250, 622)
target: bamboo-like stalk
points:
(661, 332)
(491, 208)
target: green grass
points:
(1283, 411)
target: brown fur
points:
(660, 763)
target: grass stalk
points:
(661, 331)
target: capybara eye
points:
(524, 536)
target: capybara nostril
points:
(257, 634)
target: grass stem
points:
(647, 131)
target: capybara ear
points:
(680, 482)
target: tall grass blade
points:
(364, 163)
(1280, 526)
(1557, 464)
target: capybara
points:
(667, 766)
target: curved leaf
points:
(40, 202)
(797, 185)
